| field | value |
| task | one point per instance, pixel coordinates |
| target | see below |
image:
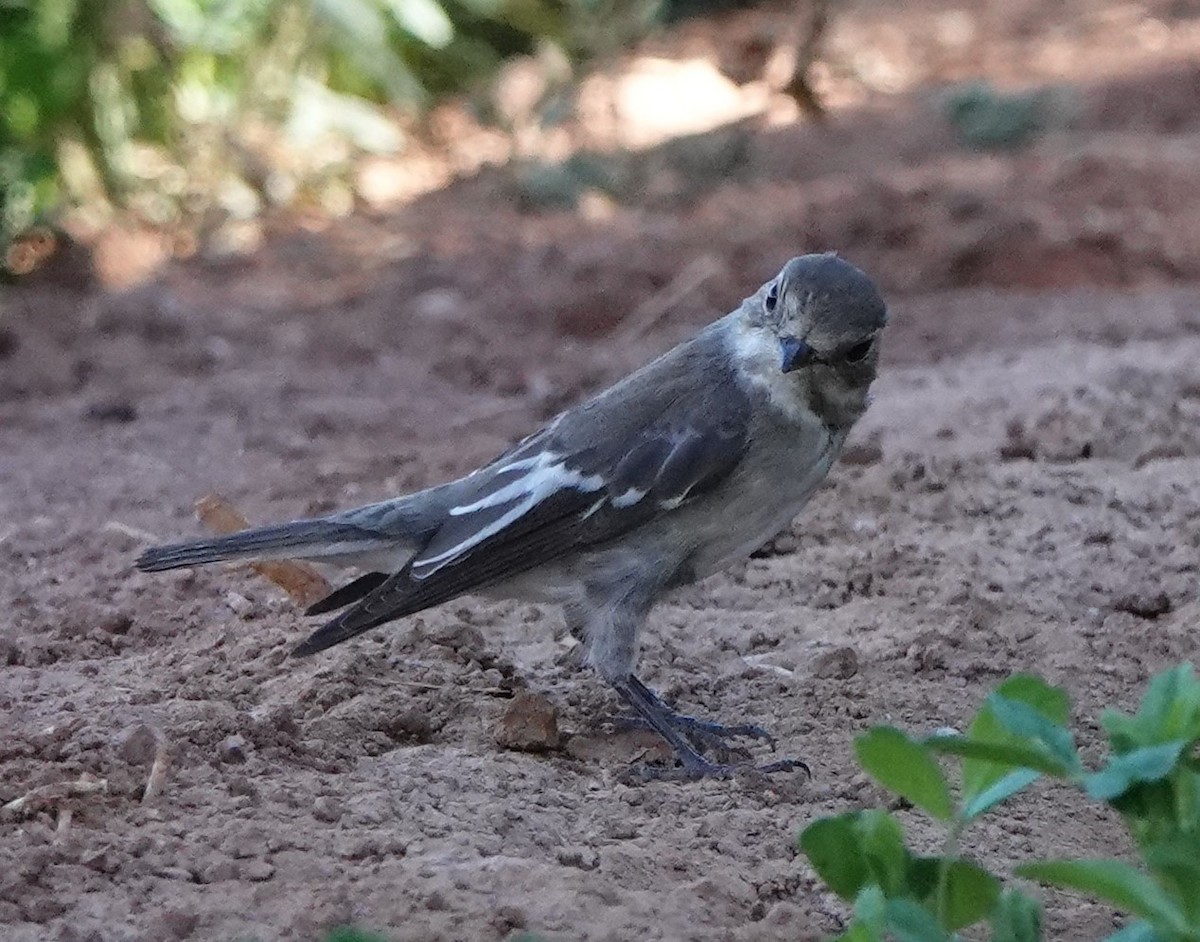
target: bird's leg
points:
(659, 717)
(704, 734)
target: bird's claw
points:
(693, 740)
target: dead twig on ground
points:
(53, 795)
(158, 768)
(299, 580)
(141, 536)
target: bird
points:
(682, 468)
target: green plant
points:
(353, 934)
(986, 119)
(180, 108)
(1151, 777)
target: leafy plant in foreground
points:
(1151, 778)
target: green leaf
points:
(1175, 861)
(1143, 764)
(906, 767)
(983, 771)
(999, 791)
(1052, 702)
(907, 921)
(1134, 932)
(854, 850)
(858, 932)
(1169, 710)
(867, 925)
(882, 841)
(352, 934)
(1028, 722)
(1011, 754)
(968, 893)
(960, 892)
(834, 848)
(1017, 918)
(869, 908)
(1113, 881)
(1186, 795)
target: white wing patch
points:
(629, 498)
(544, 474)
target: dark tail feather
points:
(351, 592)
(303, 539)
(335, 632)
(394, 597)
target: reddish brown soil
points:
(1022, 496)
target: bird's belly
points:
(743, 529)
(742, 538)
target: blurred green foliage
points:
(173, 108)
(195, 112)
(987, 119)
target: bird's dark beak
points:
(796, 353)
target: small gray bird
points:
(678, 470)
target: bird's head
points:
(813, 331)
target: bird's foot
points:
(705, 735)
(693, 739)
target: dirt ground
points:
(1021, 496)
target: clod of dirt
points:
(138, 745)
(112, 412)
(507, 919)
(529, 724)
(582, 858)
(838, 664)
(8, 343)
(10, 652)
(1144, 603)
(415, 725)
(178, 923)
(233, 750)
(257, 871)
(327, 809)
(613, 749)
(99, 860)
(458, 636)
(115, 623)
(1064, 434)
(862, 453)
(1017, 443)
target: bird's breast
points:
(774, 483)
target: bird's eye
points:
(858, 352)
(772, 298)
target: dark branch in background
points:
(808, 50)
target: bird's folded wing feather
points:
(588, 478)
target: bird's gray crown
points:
(824, 300)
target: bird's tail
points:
(301, 539)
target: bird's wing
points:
(598, 472)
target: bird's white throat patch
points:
(759, 357)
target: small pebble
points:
(233, 750)
(138, 745)
(529, 723)
(179, 923)
(258, 871)
(327, 809)
(838, 664)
